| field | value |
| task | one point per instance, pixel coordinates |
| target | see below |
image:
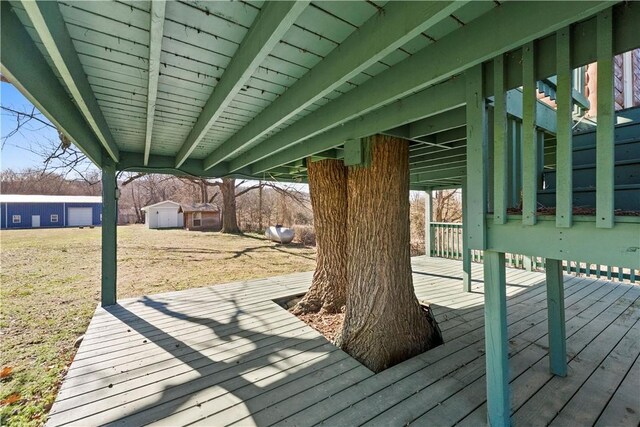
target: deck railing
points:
(447, 243)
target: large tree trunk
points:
(229, 219)
(384, 323)
(328, 188)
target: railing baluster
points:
(529, 142)
(605, 131)
(500, 151)
(564, 149)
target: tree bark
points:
(328, 188)
(229, 218)
(384, 323)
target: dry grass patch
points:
(51, 286)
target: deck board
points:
(228, 355)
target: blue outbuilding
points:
(36, 211)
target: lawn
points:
(51, 286)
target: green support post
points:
(476, 168)
(500, 150)
(529, 137)
(496, 339)
(555, 308)
(428, 219)
(564, 137)
(109, 230)
(605, 154)
(527, 263)
(466, 253)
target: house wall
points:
(45, 210)
(210, 221)
(591, 78)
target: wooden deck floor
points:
(227, 355)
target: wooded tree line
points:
(257, 204)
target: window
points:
(17, 219)
(197, 219)
(54, 218)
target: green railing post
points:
(109, 230)
(496, 339)
(466, 253)
(555, 309)
(428, 219)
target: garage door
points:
(80, 216)
(167, 218)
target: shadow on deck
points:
(228, 355)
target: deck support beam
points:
(33, 77)
(496, 339)
(50, 25)
(109, 232)
(428, 219)
(555, 309)
(155, 47)
(271, 24)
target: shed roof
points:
(198, 207)
(159, 204)
(37, 198)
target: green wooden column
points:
(496, 339)
(428, 218)
(555, 308)
(109, 229)
(466, 252)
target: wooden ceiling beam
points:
(273, 21)
(49, 24)
(33, 77)
(375, 39)
(156, 30)
(521, 22)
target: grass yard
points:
(51, 286)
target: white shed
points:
(163, 215)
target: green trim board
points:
(166, 164)
(619, 245)
(273, 21)
(50, 26)
(378, 37)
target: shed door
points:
(35, 221)
(166, 218)
(80, 216)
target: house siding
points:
(45, 210)
(210, 221)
